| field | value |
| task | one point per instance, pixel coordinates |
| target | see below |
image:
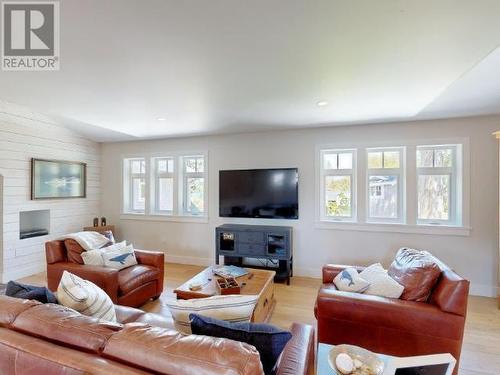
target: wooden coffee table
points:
(256, 282)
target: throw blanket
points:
(87, 240)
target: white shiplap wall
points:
(24, 135)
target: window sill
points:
(176, 219)
(396, 228)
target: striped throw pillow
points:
(231, 308)
(85, 297)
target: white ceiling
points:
(236, 65)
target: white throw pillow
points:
(349, 281)
(381, 284)
(232, 308)
(94, 257)
(121, 258)
(85, 297)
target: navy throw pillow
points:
(38, 293)
(267, 339)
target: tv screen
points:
(259, 193)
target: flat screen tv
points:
(259, 193)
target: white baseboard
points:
(196, 261)
(483, 290)
(24, 272)
(307, 272)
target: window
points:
(385, 179)
(135, 185)
(194, 185)
(176, 185)
(439, 190)
(338, 182)
(164, 185)
(408, 187)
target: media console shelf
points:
(270, 243)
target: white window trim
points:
(323, 173)
(150, 213)
(127, 178)
(185, 175)
(155, 177)
(411, 190)
(455, 194)
(400, 173)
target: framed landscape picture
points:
(57, 179)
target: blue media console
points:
(271, 245)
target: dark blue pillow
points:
(38, 293)
(267, 339)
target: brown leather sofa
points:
(53, 340)
(132, 286)
(392, 326)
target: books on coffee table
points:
(230, 271)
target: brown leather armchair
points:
(392, 326)
(132, 286)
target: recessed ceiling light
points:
(161, 119)
(322, 103)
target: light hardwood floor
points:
(481, 350)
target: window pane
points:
(338, 196)
(170, 165)
(383, 194)
(425, 158)
(194, 195)
(345, 160)
(443, 158)
(434, 197)
(391, 159)
(375, 160)
(138, 194)
(166, 194)
(162, 165)
(330, 161)
(138, 166)
(194, 165)
(200, 165)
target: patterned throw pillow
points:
(121, 258)
(85, 297)
(349, 281)
(381, 284)
(231, 308)
(267, 339)
(95, 257)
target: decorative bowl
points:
(372, 364)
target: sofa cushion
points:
(233, 308)
(121, 258)
(66, 326)
(169, 352)
(267, 339)
(95, 257)
(381, 284)
(417, 271)
(85, 297)
(133, 277)
(37, 293)
(11, 307)
(348, 280)
(74, 251)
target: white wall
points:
(474, 256)
(24, 135)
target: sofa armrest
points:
(298, 357)
(332, 270)
(104, 277)
(150, 258)
(154, 259)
